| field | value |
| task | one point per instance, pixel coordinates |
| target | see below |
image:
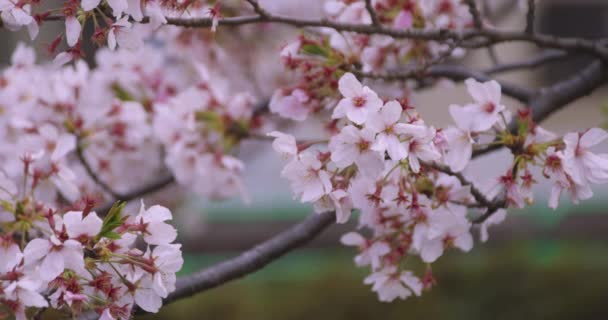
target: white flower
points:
(338, 201)
(308, 180)
(584, 166)
(353, 145)
(79, 227)
(15, 16)
(155, 230)
(390, 284)
(291, 106)
(53, 256)
(459, 140)
(124, 34)
(358, 102)
(156, 286)
(386, 124)
(25, 292)
(421, 147)
(88, 5)
(485, 112)
(72, 30)
(443, 229)
(10, 254)
(284, 144)
(118, 7)
(371, 253)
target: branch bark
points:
(253, 259)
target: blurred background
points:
(539, 264)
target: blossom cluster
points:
(117, 23)
(72, 260)
(406, 179)
(133, 115)
(319, 59)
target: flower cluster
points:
(405, 178)
(72, 260)
(319, 60)
(117, 23)
(129, 117)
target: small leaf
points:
(112, 221)
(314, 50)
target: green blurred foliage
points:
(543, 280)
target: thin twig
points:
(138, 193)
(91, 172)
(257, 8)
(475, 13)
(372, 13)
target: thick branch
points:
(254, 259)
(562, 93)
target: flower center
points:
(489, 107)
(359, 101)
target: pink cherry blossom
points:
(358, 102)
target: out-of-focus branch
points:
(128, 196)
(253, 259)
(484, 37)
(139, 192)
(372, 13)
(91, 172)
(557, 96)
(257, 8)
(452, 72)
(475, 13)
(530, 16)
(539, 60)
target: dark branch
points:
(138, 193)
(452, 72)
(530, 16)
(372, 13)
(257, 8)
(555, 97)
(474, 10)
(253, 259)
(486, 37)
(90, 172)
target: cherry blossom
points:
(358, 102)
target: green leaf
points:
(121, 93)
(314, 50)
(112, 221)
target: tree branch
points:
(91, 172)
(530, 16)
(486, 36)
(555, 97)
(452, 72)
(372, 13)
(138, 193)
(474, 10)
(253, 259)
(543, 58)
